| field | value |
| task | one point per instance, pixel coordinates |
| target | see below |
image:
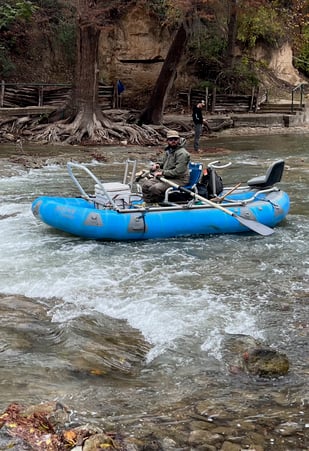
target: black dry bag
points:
(211, 184)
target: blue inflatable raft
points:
(116, 212)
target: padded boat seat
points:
(273, 175)
(195, 170)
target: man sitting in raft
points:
(174, 166)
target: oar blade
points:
(255, 226)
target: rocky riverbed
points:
(276, 423)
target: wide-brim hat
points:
(172, 134)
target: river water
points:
(126, 330)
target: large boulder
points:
(242, 353)
(265, 362)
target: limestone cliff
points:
(134, 52)
(280, 61)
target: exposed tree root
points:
(112, 128)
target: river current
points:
(120, 330)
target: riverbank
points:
(247, 124)
(251, 131)
(26, 129)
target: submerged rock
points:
(233, 348)
(243, 353)
(266, 362)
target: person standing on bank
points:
(174, 166)
(197, 116)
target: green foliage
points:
(62, 22)
(261, 23)
(246, 73)
(240, 79)
(158, 7)
(59, 25)
(66, 35)
(55, 10)
(11, 14)
(22, 10)
(204, 84)
(302, 60)
(6, 65)
(208, 50)
(167, 11)
(208, 47)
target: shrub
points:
(301, 61)
(22, 10)
(260, 24)
(6, 65)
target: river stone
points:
(226, 431)
(237, 343)
(289, 428)
(56, 413)
(202, 425)
(203, 447)
(199, 437)
(254, 441)
(266, 362)
(130, 447)
(212, 414)
(228, 446)
(233, 347)
(7, 442)
(168, 443)
(98, 441)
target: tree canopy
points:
(208, 33)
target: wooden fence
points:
(22, 95)
(219, 103)
(14, 95)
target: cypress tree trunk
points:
(85, 97)
(85, 87)
(232, 30)
(153, 113)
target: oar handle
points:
(229, 192)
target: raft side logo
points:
(94, 220)
(65, 211)
(137, 224)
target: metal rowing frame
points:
(71, 165)
(228, 203)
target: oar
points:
(249, 223)
(221, 198)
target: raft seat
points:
(195, 170)
(273, 175)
